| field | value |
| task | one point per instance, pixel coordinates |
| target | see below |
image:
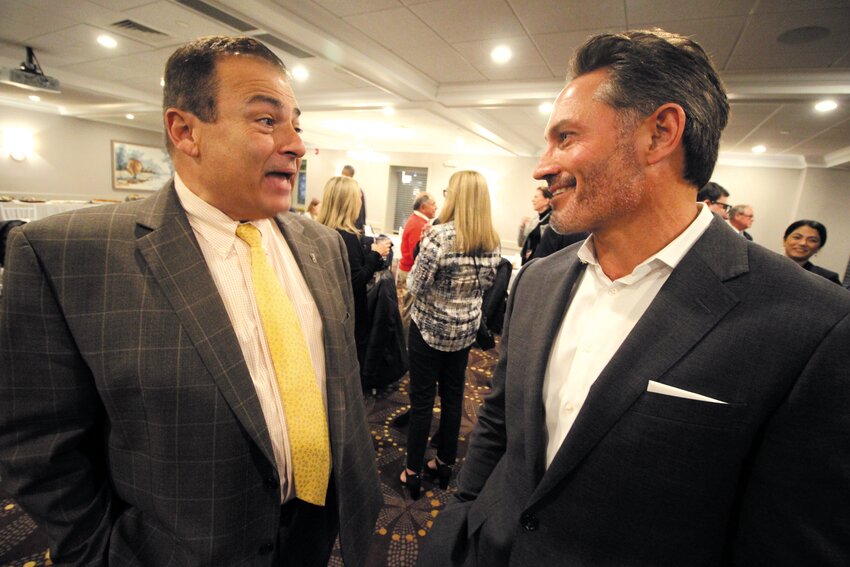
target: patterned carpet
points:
(402, 524)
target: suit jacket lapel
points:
(548, 318)
(168, 245)
(692, 301)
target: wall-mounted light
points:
(760, 149)
(17, 143)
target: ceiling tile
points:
(643, 13)
(179, 22)
(469, 20)
(758, 47)
(525, 53)
(35, 18)
(343, 8)
(717, 36)
(403, 33)
(551, 16)
(557, 48)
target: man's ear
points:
(180, 128)
(666, 127)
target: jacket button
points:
(270, 483)
(529, 522)
(266, 548)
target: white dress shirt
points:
(600, 316)
(229, 261)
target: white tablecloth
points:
(16, 210)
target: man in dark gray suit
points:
(142, 414)
(668, 393)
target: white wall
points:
(782, 196)
(509, 178)
(73, 161)
(72, 158)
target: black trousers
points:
(307, 532)
(429, 369)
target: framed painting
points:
(136, 167)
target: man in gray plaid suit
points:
(140, 421)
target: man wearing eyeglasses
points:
(716, 197)
(741, 218)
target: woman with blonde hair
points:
(340, 206)
(313, 208)
(456, 264)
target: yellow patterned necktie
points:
(306, 424)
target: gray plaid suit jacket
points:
(129, 425)
(645, 479)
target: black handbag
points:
(484, 338)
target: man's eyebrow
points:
(266, 99)
(558, 126)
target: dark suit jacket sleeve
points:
(796, 508)
(49, 416)
(363, 264)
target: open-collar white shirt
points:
(600, 316)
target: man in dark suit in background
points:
(716, 197)
(156, 355)
(741, 218)
(668, 393)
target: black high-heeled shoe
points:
(442, 473)
(413, 483)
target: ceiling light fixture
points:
(502, 54)
(388, 110)
(107, 41)
(759, 149)
(545, 108)
(162, 81)
(34, 98)
(131, 116)
(826, 106)
(300, 73)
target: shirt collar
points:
(669, 256)
(211, 223)
(421, 215)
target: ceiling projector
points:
(29, 76)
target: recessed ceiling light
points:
(34, 98)
(759, 149)
(131, 116)
(459, 142)
(300, 73)
(107, 41)
(545, 107)
(389, 110)
(162, 81)
(501, 54)
(826, 106)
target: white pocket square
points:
(666, 390)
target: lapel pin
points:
(313, 257)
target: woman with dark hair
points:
(456, 264)
(803, 239)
